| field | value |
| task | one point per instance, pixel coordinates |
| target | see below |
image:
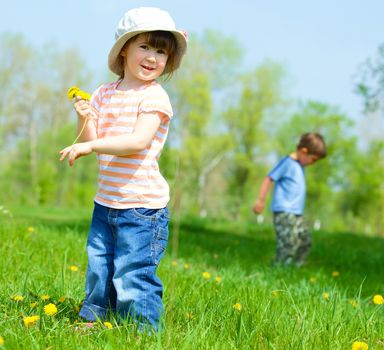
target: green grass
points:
(281, 308)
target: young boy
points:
(292, 235)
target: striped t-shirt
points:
(131, 181)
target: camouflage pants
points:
(293, 239)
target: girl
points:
(126, 124)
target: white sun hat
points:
(141, 20)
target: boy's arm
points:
(145, 130)
(258, 207)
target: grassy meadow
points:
(221, 291)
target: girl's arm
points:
(260, 202)
(86, 128)
(145, 130)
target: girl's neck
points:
(125, 84)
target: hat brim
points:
(114, 63)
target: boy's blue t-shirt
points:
(289, 192)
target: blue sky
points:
(321, 43)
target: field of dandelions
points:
(221, 291)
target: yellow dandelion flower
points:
(359, 345)
(174, 263)
(312, 280)
(62, 299)
(45, 297)
(353, 302)
(74, 268)
(189, 316)
(187, 266)
(326, 296)
(108, 325)
(50, 309)
(275, 293)
(74, 91)
(335, 274)
(30, 229)
(33, 304)
(17, 298)
(218, 279)
(206, 275)
(1, 340)
(237, 307)
(30, 321)
(378, 299)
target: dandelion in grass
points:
(326, 296)
(30, 321)
(237, 307)
(312, 280)
(215, 256)
(335, 274)
(359, 345)
(353, 303)
(62, 299)
(206, 275)
(50, 309)
(74, 268)
(30, 229)
(34, 304)
(45, 297)
(275, 293)
(174, 263)
(378, 299)
(108, 325)
(17, 298)
(1, 340)
(187, 266)
(218, 279)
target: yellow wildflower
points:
(17, 298)
(335, 274)
(30, 229)
(378, 299)
(74, 268)
(62, 299)
(206, 275)
(33, 304)
(74, 91)
(215, 256)
(275, 293)
(187, 266)
(359, 345)
(45, 297)
(174, 263)
(312, 280)
(50, 309)
(353, 302)
(108, 325)
(1, 340)
(326, 295)
(30, 321)
(218, 279)
(237, 306)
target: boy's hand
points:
(75, 151)
(82, 107)
(258, 207)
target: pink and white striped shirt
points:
(131, 181)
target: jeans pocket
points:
(144, 213)
(159, 244)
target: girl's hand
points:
(258, 207)
(82, 107)
(76, 151)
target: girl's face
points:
(143, 62)
(306, 158)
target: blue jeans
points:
(124, 249)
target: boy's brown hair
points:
(314, 143)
